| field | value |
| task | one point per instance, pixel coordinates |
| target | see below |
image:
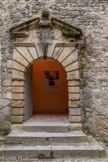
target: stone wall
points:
(92, 17)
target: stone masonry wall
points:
(92, 17)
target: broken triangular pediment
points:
(46, 28)
(44, 32)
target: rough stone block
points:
(75, 119)
(17, 119)
(33, 52)
(8, 95)
(18, 66)
(39, 49)
(75, 111)
(105, 29)
(25, 53)
(18, 89)
(73, 75)
(16, 127)
(59, 1)
(72, 67)
(73, 83)
(17, 96)
(57, 52)
(18, 104)
(75, 126)
(17, 75)
(18, 83)
(74, 89)
(66, 52)
(70, 59)
(74, 96)
(19, 58)
(17, 111)
(6, 82)
(51, 47)
(74, 104)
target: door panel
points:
(46, 102)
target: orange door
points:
(45, 99)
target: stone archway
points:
(67, 56)
(28, 50)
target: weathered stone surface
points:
(91, 18)
(17, 119)
(75, 119)
(18, 104)
(17, 111)
(75, 111)
(74, 89)
(25, 53)
(18, 89)
(57, 52)
(73, 75)
(17, 96)
(74, 96)
(73, 83)
(19, 58)
(75, 126)
(72, 67)
(33, 52)
(18, 66)
(74, 104)
(51, 48)
(70, 59)
(66, 51)
(8, 95)
(18, 83)
(39, 49)
(6, 82)
(18, 75)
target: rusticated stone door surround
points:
(46, 37)
(25, 55)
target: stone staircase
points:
(50, 142)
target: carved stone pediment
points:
(44, 31)
(46, 27)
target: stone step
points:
(45, 138)
(52, 151)
(46, 128)
(47, 123)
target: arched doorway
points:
(44, 37)
(49, 88)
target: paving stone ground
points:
(65, 160)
